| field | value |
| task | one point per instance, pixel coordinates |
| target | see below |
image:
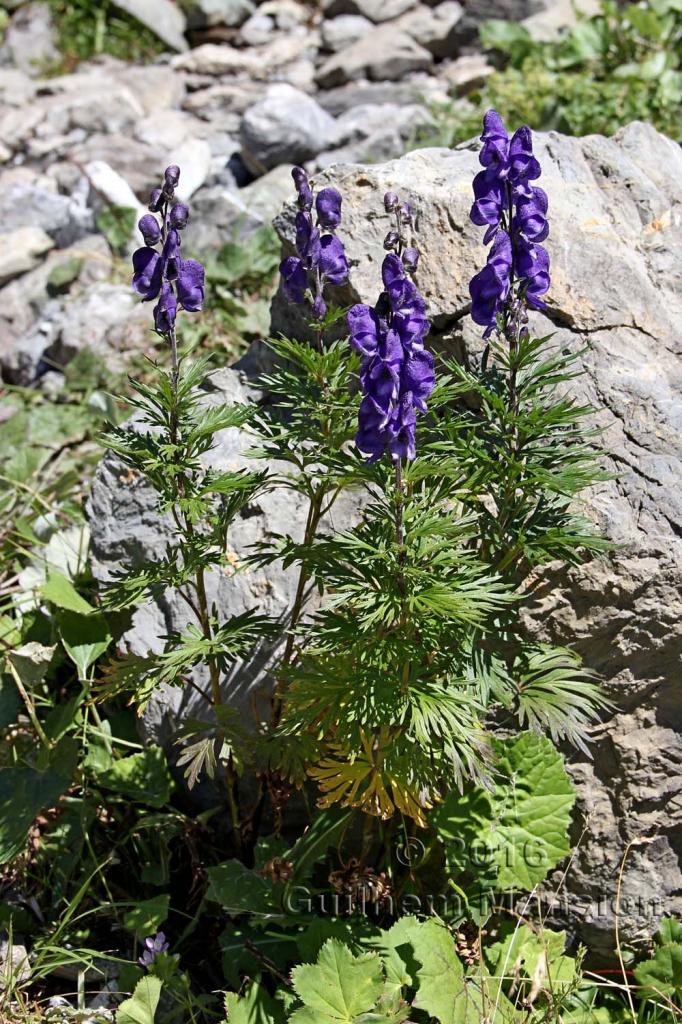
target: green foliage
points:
(620, 65)
(340, 988)
(141, 1007)
(88, 28)
(117, 224)
(660, 977)
(512, 836)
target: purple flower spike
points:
(328, 206)
(320, 258)
(305, 193)
(515, 214)
(165, 274)
(397, 375)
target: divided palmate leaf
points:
(339, 988)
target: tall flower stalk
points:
(174, 428)
(397, 375)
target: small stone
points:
(14, 965)
(385, 53)
(165, 129)
(340, 32)
(193, 157)
(376, 11)
(287, 14)
(467, 73)
(212, 59)
(163, 17)
(112, 187)
(203, 14)
(21, 250)
(286, 126)
(434, 27)
(31, 38)
(257, 30)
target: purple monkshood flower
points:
(164, 274)
(514, 213)
(397, 375)
(320, 256)
(154, 944)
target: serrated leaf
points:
(339, 988)
(522, 825)
(140, 1008)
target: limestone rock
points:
(32, 39)
(20, 250)
(212, 59)
(286, 126)
(384, 54)
(434, 28)
(338, 33)
(616, 246)
(375, 10)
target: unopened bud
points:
(390, 202)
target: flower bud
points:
(305, 193)
(390, 202)
(391, 240)
(179, 216)
(149, 229)
(319, 308)
(172, 176)
(411, 259)
(406, 212)
(156, 199)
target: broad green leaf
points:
(144, 777)
(339, 987)
(662, 974)
(240, 890)
(25, 792)
(60, 591)
(511, 838)
(444, 991)
(85, 638)
(147, 917)
(140, 1008)
(256, 1007)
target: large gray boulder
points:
(616, 248)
